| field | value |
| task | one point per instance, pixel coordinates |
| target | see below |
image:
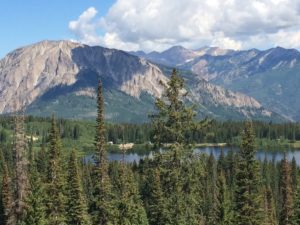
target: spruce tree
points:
(87, 174)
(296, 216)
(174, 120)
(2, 163)
(286, 209)
(266, 173)
(30, 151)
(232, 168)
(41, 161)
(55, 187)
(269, 208)
(157, 208)
(221, 165)
(36, 210)
(224, 204)
(131, 210)
(104, 201)
(294, 175)
(7, 198)
(21, 181)
(247, 196)
(174, 123)
(212, 192)
(178, 186)
(194, 189)
(76, 204)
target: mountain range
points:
(61, 77)
(271, 76)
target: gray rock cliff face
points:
(29, 72)
(206, 93)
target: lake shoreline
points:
(148, 147)
(261, 154)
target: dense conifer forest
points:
(47, 182)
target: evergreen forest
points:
(47, 181)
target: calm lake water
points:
(260, 154)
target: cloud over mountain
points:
(85, 27)
(158, 24)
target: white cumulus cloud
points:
(85, 27)
(159, 24)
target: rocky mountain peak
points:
(29, 72)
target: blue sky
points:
(152, 25)
(27, 21)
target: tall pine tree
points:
(286, 209)
(157, 209)
(21, 181)
(224, 204)
(247, 195)
(174, 120)
(131, 210)
(296, 217)
(76, 203)
(174, 124)
(104, 201)
(269, 208)
(212, 192)
(55, 186)
(7, 199)
(36, 211)
(294, 171)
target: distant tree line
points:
(216, 132)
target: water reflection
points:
(260, 154)
(128, 157)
